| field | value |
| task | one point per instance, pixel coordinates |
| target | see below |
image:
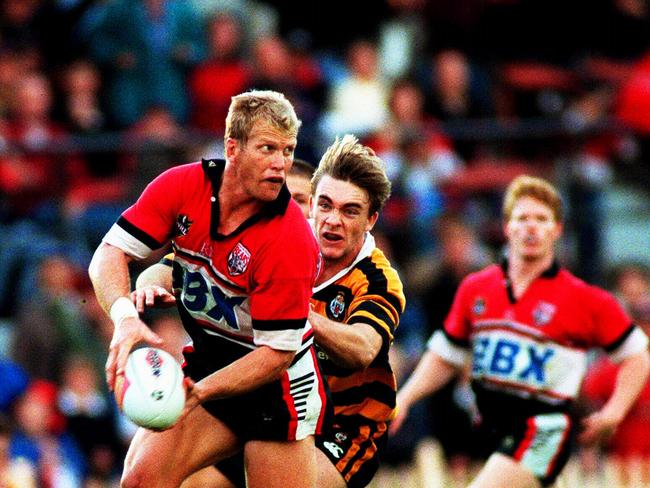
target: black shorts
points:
(354, 445)
(541, 443)
(291, 408)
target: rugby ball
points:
(151, 391)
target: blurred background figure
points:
(223, 74)
(86, 404)
(358, 102)
(451, 411)
(15, 472)
(41, 438)
(146, 47)
(53, 324)
(630, 283)
(30, 177)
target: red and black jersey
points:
(535, 347)
(250, 287)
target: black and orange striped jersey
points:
(369, 292)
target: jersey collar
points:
(364, 252)
(214, 168)
(550, 272)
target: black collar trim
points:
(550, 272)
(214, 169)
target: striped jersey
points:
(368, 291)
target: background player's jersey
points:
(534, 347)
(370, 292)
(250, 287)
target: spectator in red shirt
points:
(223, 75)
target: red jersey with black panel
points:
(250, 287)
(535, 347)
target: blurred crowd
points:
(457, 97)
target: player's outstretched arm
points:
(109, 273)
(431, 374)
(632, 375)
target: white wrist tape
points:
(122, 308)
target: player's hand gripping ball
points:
(151, 391)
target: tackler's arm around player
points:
(109, 273)
(352, 346)
(153, 288)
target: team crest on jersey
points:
(337, 305)
(543, 313)
(183, 224)
(479, 306)
(238, 260)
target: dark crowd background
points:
(457, 97)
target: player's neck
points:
(235, 206)
(523, 271)
(331, 268)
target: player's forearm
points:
(260, 366)
(109, 273)
(632, 376)
(352, 346)
(156, 275)
(431, 374)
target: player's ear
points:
(371, 221)
(505, 228)
(232, 148)
(559, 228)
(311, 206)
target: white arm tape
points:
(122, 308)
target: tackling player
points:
(525, 325)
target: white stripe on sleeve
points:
(118, 237)
(636, 342)
(447, 350)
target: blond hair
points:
(537, 188)
(348, 160)
(250, 107)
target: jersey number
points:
(196, 298)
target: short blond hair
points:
(537, 188)
(250, 107)
(349, 160)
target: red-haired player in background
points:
(525, 326)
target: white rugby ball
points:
(151, 392)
